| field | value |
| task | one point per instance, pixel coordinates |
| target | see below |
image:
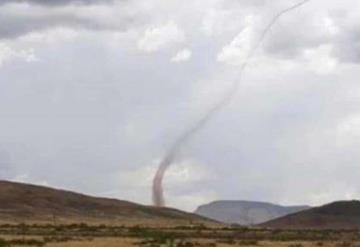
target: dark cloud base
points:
(56, 2)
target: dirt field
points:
(108, 236)
(113, 242)
(130, 242)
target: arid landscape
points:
(174, 123)
(41, 216)
(82, 235)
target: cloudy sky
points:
(93, 93)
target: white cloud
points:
(8, 54)
(59, 34)
(348, 131)
(155, 38)
(236, 52)
(320, 60)
(182, 56)
(209, 21)
(330, 26)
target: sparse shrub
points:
(227, 241)
(248, 242)
(154, 245)
(3, 243)
(210, 245)
(26, 242)
(57, 239)
(344, 244)
(185, 244)
(295, 245)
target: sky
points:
(93, 93)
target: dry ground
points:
(126, 242)
(82, 235)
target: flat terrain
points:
(113, 242)
(110, 236)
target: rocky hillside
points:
(336, 215)
(24, 203)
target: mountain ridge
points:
(245, 212)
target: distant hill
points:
(24, 203)
(245, 212)
(336, 215)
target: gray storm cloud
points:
(56, 2)
(170, 156)
(17, 20)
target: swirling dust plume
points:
(157, 188)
